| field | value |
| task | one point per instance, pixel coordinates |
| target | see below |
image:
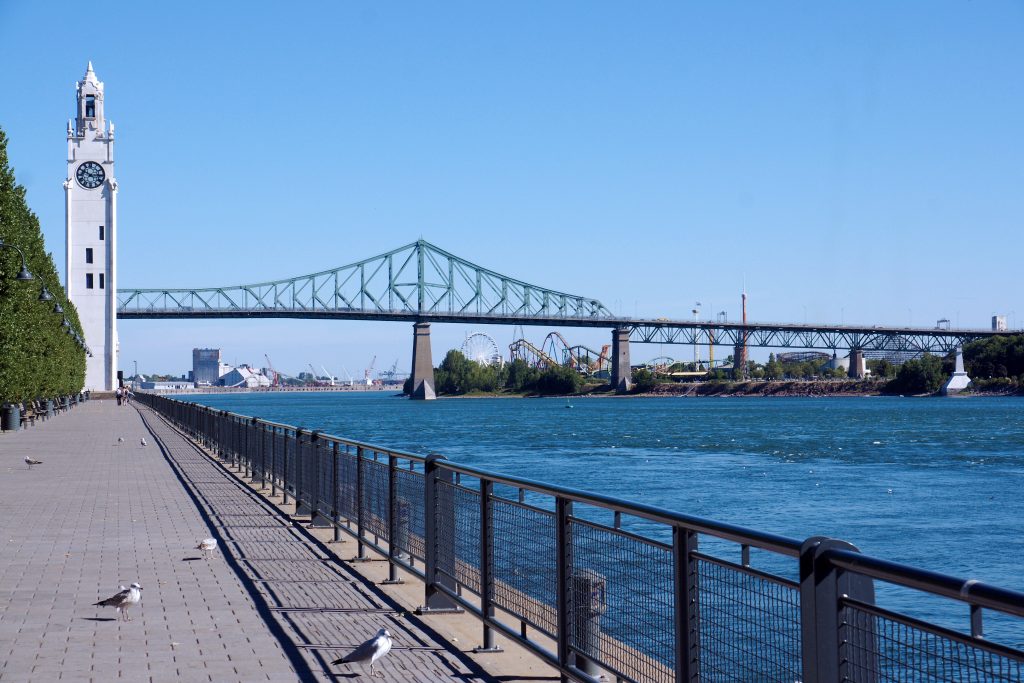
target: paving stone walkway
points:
(269, 605)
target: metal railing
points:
(598, 585)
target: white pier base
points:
(959, 381)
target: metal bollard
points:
(587, 602)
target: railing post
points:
(316, 518)
(486, 565)
(563, 511)
(822, 586)
(335, 485)
(434, 600)
(284, 466)
(263, 457)
(273, 462)
(392, 521)
(359, 504)
(299, 470)
(684, 544)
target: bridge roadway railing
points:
(595, 584)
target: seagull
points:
(143, 442)
(120, 440)
(207, 544)
(29, 461)
(370, 651)
(123, 600)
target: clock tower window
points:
(90, 106)
(101, 233)
(88, 254)
(88, 280)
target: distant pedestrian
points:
(117, 395)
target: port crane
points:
(367, 371)
(351, 381)
(270, 366)
(330, 377)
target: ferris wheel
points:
(482, 349)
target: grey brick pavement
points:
(96, 515)
(268, 606)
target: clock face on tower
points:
(90, 175)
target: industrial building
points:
(207, 368)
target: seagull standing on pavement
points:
(122, 601)
(120, 440)
(370, 651)
(208, 545)
(143, 442)
(29, 461)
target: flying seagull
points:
(123, 600)
(143, 442)
(29, 461)
(207, 544)
(370, 651)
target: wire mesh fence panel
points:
(278, 464)
(525, 563)
(348, 503)
(621, 601)
(409, 528)
(749, 625)
(458, 534)
(375, 498)
(324, 477)
(885, 650)
(290, 467)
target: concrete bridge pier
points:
(856, 369)
(622, 374)
(422, 364)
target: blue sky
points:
(861, 162)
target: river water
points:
(935, 483)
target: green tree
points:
(881, 368)
(999, 356)
(559, 380)
(643, 380)
(38, 359)
(521, 376)
(924, 375)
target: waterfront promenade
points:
(271, 604)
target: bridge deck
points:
(272, 604)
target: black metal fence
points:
(598, 585)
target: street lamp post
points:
(23, 275)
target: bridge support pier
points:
(622, 374)
(739, 362)
(856, 369)
(422, 364)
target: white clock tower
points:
(90, 223)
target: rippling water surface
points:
(937, 483)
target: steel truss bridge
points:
(420, 282)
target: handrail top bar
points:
(965, 590)
(730, 532)
(321, 435)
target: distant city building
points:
(206, 366)
(244, 376)
(999, 323)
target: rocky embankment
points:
(785, 388)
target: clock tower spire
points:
(90, 228)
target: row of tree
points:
(38, 359)
(459, 375)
